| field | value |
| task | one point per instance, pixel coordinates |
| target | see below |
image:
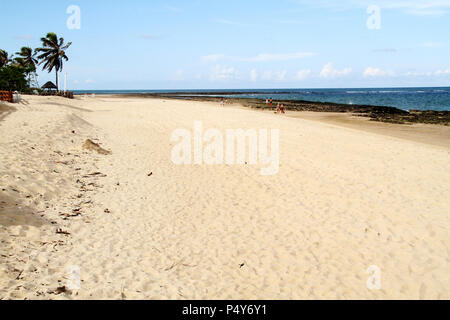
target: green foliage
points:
(4, 58)
(26, 59)
(17, 73)
(13, 78)
(53, 53)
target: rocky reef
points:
(375, 113)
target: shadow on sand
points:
(13, 213)
(5, 110)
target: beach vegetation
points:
(4, 58)
(18, 72)
(53, 53)
(13, 78)
(27, 60)
(12, 73)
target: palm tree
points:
(27, 60)
(53, 53)
(4, 58)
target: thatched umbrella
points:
(49, 86)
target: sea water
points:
(429, 98)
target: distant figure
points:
(278, 108)
(222, 102)
(267, 101)
(282, 109)
(271, 102)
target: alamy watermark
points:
(73, 274)
(374, 20)
(214, 147)
(74, 20)
(374, 281)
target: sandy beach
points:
(134, 225)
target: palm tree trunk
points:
(57, 87)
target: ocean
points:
(436, 98)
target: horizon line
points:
(304, 88)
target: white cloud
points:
(377, 72)
(302, 74)
(89, 81)
(418, 74)
(442, 72)
(418, 7)
(254, 75)
(329, 71)
(222, 73)
(413, 7)
(438, 73)
(264, 57)
(213, 57)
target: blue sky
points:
(205, 44)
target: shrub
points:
(13, 78)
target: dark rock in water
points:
(375, 113)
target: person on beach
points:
(282, 109)
(271, 102)
(267, 101)
(278, 108)
(222, 102)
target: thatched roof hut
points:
(49, 86)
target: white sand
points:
(342, 201)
